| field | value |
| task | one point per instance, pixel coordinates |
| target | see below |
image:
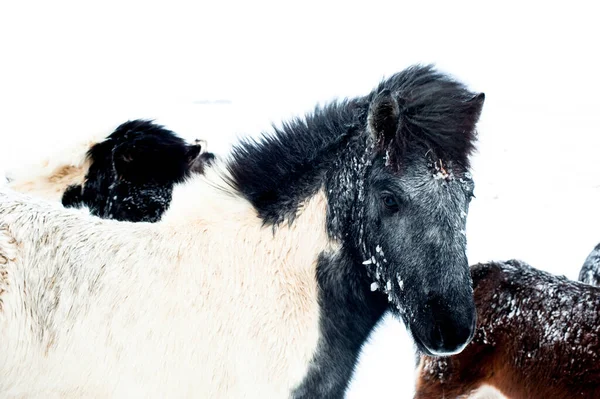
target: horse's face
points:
(414, 250)
(412, 235)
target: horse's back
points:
(66, 279)
(545, 324)
(154, 310)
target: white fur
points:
(487, 392)
(49, 177)
(206, 303)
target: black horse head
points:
(132, 172)
(400, 199)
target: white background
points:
(218, 69)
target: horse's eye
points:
(389, 201)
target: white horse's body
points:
(206, 303)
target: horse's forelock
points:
(436, 113)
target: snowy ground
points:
(69, 71)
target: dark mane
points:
(298, 152)
(279, 170)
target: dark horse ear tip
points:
(475, 105)
(385, 98)
(193, 151)
(384, 114)
(478, 98)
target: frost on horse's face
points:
(414, 249)
(408, 217)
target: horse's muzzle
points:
(445, 330)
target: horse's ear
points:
(474, 107)
(384, 116)
(192, 152)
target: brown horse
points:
(537, 337)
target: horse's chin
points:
(430, 352)
(403, 313)
(421, 347)
(400, 313)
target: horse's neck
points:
(349, 312)
(292, 268)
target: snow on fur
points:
(538, 336)
(590, 271)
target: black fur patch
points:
(349, 311)
(133, 171)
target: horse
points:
(268, 272)
(590, 271)
(538, 336)
(128, 176)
